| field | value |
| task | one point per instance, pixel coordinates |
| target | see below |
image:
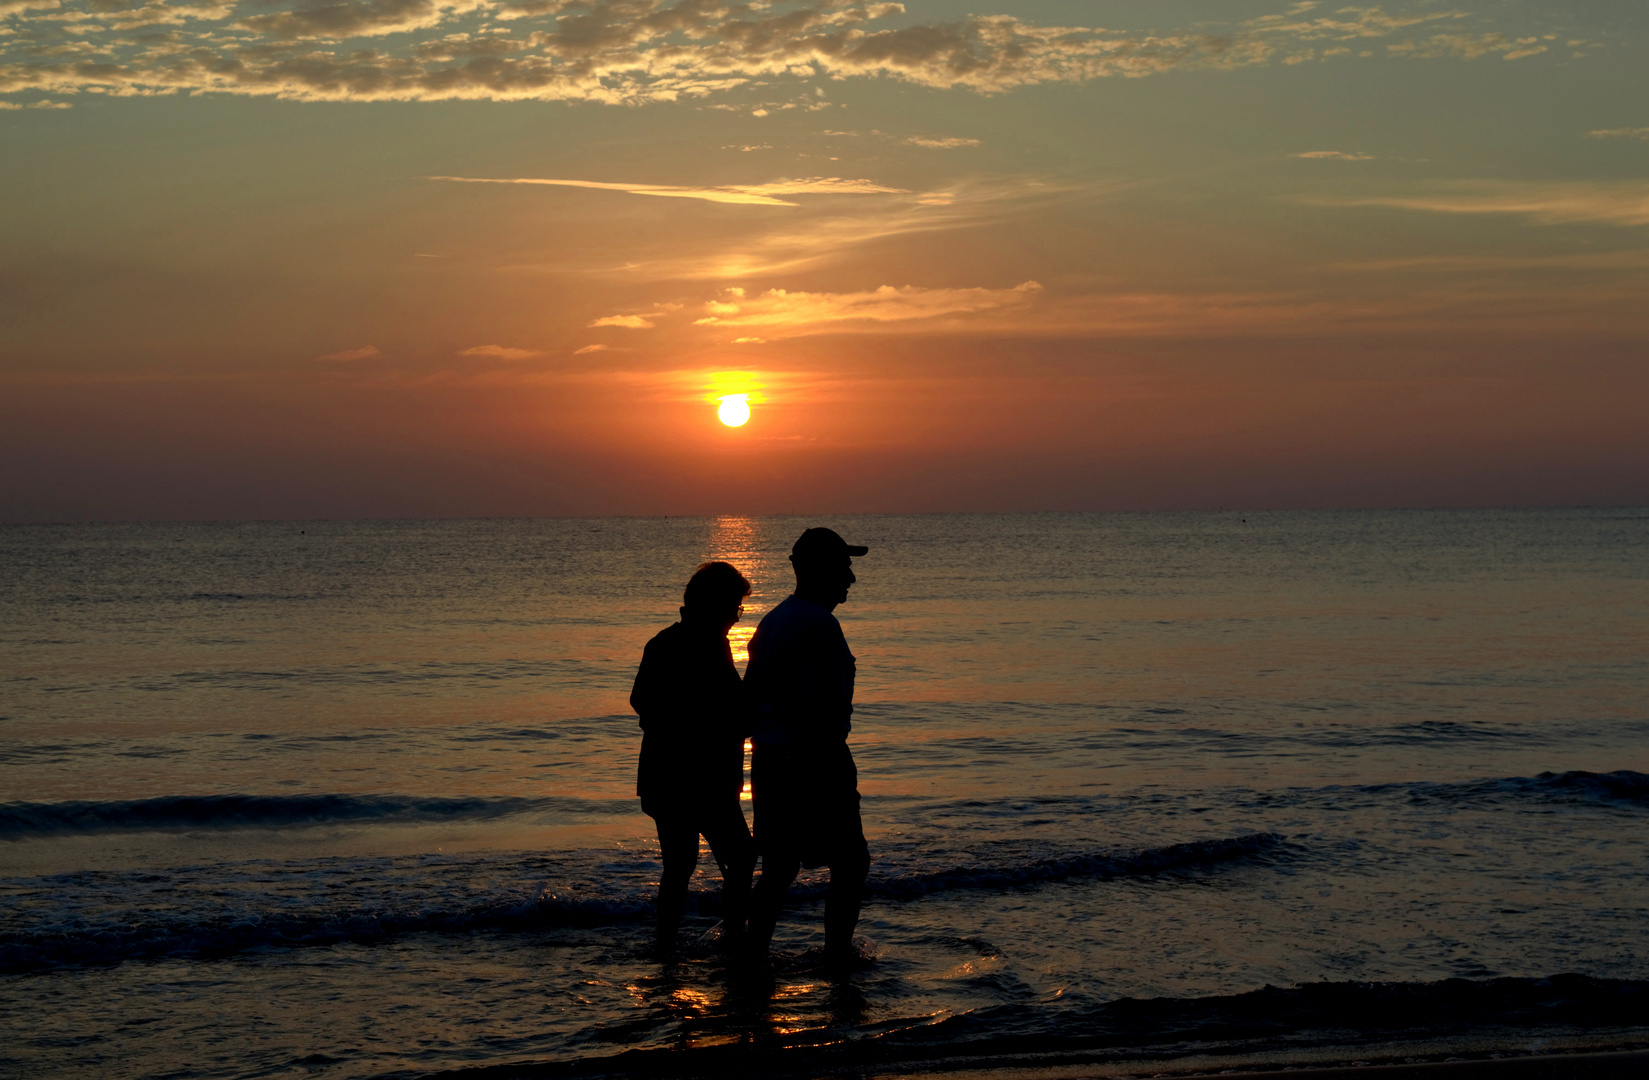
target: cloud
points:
(1333, 155)
(750, 194)
(362, 18)
(628, 322)
(589, 349)
(1624, 202)
(939, 144)
(781, 308)
(639, 51)
(500, 352)
(749, 341)
(365, 352)
(1465, 46)
(12, 106)
(795, 242)
(1619, 133)
(1630, 259)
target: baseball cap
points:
(821, 543)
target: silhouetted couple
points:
(795, 704)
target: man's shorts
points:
(807, 804)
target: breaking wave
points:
(23, 820)
(331, 902)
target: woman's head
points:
(715, 594)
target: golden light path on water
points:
(735, 540)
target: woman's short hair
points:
(715, 586)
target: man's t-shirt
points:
(800, 677)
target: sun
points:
(734, 410)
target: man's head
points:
(715, 596)
(824, 566)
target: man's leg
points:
(735, 853)
(848, 869)
(678, 847)
(779, 869)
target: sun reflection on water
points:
(738, 540)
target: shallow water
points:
(365, 790)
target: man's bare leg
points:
(842, 902)
(767, 899)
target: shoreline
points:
(1613, 1059)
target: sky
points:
(414, 258)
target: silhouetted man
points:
(694, 720)
(806, 787)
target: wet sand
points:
(1606, 1066)
(1591, 1065)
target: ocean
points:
(1143, 792)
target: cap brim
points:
(852, 550)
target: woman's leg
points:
(678, 847)
(735, 853)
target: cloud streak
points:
(364, 352)
(746, 194)
(499, 352)
(1623, 203)
(779, 308)
(638, 51)
(626, 322)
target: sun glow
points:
(734, 409)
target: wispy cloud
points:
(590, 349)
(358, 18)
(628, 322)
(12, 106)
(636, 51)
(364, 352)
(1630, 259)
(939, 144)
(1333, 155)
(1623, 202)
(780, 308)
(500, 352)
(1619, 133)
(1468, 46)
(750, 194)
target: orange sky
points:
(1055, 256)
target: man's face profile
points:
(825, 580)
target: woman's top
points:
(693, 720)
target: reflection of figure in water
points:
(694, 721)
(806, 788)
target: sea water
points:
(357, 798)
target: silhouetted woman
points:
(694, 722)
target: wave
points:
(1099, 865)
(1577, 785)
(224, 910)
(1622, 784)
(23, 820)
(227, 933)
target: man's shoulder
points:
(796, 615)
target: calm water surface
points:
(356, 799)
